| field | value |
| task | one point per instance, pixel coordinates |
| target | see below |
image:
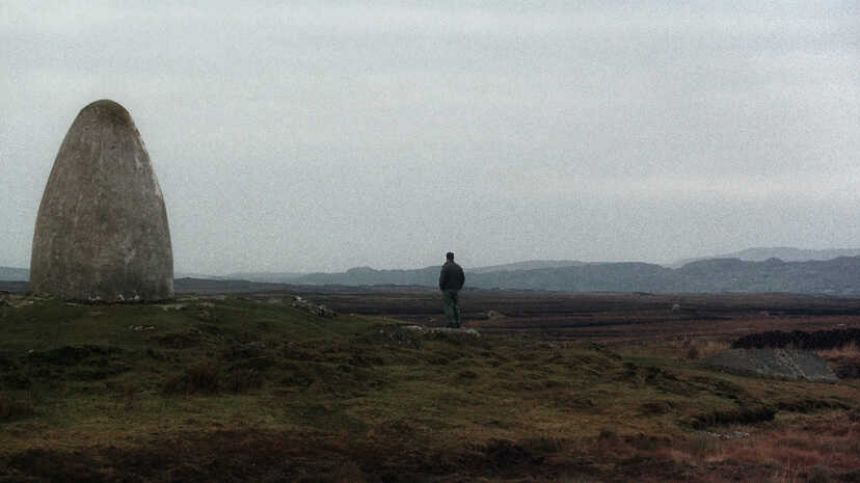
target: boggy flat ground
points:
(601, 387)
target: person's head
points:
(450, 256)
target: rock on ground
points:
(776, 363)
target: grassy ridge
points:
(216, 388)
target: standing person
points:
(451, 280)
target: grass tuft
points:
(12, 408)
(201, 377)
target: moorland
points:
(261, 386)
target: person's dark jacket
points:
(451, 277)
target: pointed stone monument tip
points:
(102, 232)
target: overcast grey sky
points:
(325, 135)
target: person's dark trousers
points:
(452, 307)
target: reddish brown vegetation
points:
(821, 448)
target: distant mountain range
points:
(786, 254)
(752, 270)
(360, 273)
(837, 276)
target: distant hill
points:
(428, 276)
(265, 277)
(186, 285)
(9, 274)
(836, 276)
(367, 275)
(527, 265)
(786, 254)
(840, 276)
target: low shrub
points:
(199, 378)
(244, 380)
(16, 408)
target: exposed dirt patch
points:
(501, 455)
